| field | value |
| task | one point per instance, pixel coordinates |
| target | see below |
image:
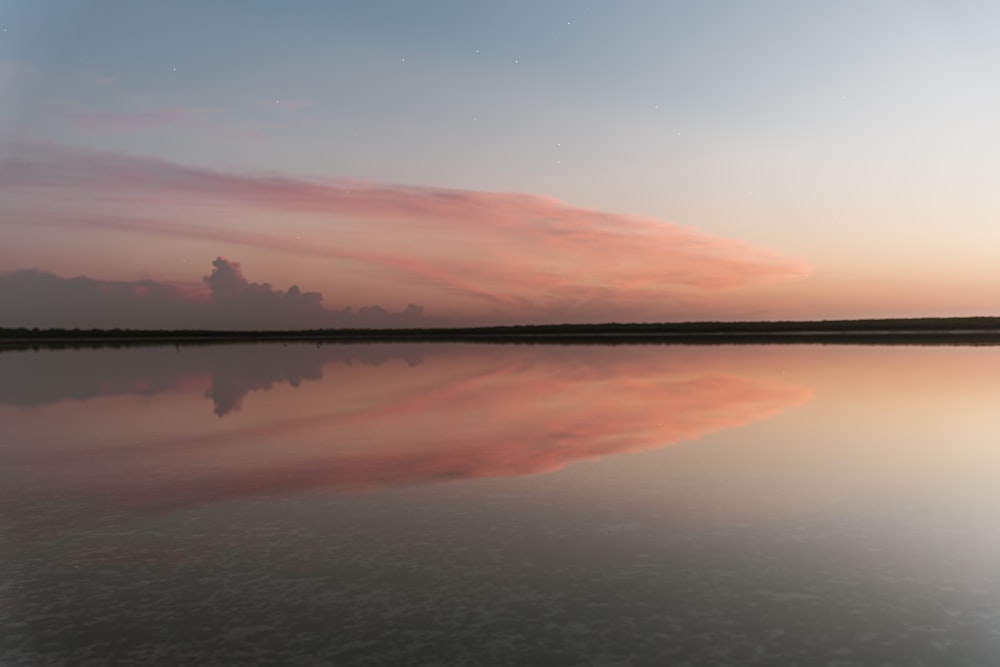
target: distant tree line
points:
(776, 330)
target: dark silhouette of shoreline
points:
(926, 330)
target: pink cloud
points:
(520, 251)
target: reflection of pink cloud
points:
(522, 250)
(626, 417)
(125, 120)
(519, 417)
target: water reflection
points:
(232, 371)
(461, 504)
(387, 421)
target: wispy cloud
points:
(125, 120)
(10, 71)
(13, 76)
(291, 104)
(98, 78)
(529, 252)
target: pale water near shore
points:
(478, 504)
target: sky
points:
(244, 164)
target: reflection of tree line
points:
(871, 330)
(32, 380)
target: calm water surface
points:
(388, 504)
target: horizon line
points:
(907, 329)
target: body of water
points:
(446, 504)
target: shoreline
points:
(919, 331)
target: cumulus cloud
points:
(234, 297)
(34, 298)
(523, 252)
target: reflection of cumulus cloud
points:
(519, 250)
(230, 373)
(37, 298)
(234, 375)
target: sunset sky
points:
(264, 164)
